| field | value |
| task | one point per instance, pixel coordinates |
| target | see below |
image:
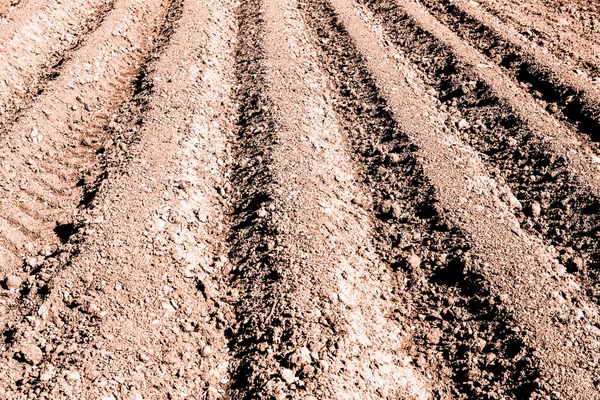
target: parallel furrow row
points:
(49, 154)
(165, 213)
(312, 290)
(582, 16)
(558, 189)
(305, 199)
(540, 26)
(504, 269)
(35, 42)
(543, 75)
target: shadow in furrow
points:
(556, 204)
(255, 140)
(541, 81)
(463, 332)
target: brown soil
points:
(309, 199)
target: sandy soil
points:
(307, 199)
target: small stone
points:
(301, 357)
(575, 264)
(207, 351)
(463, 124)
(171, 357)
(46, 376)
(167, 306)
(396, 211)
(536, 209)
(43, 312)
(32, 354)
(73, 376)
(394, 158)
(13, 282)
(213, 394)
(414, 261)
(288, 376)
(514, 202)
(434, 336)
(479, 345)
(386, 206)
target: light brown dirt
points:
(312, 199)
(34, 39)
(50, 149)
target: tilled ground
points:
(303, 199)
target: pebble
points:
(32, 354)
(391, 209)
(479, 345)
(434, 336)
(463, 124)
(536, 209)
(73, 376)
(288, 376)
(386, 206)
(301, 357)
(167, 306)
(514, 202)
(13, 282)
(414, 261)
(394, 158)
(46, 376)
(396, 211)
(207, 351)
(575, 264)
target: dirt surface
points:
(308, 199)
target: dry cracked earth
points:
(299, 199)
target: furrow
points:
(547, 30)
(314, 298)
(502, 268)
(52, 146)
(151, 322)
(35, 40)
(565, 93)
(554, 176)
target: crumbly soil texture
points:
(299, 199)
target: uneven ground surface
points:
(299, 199)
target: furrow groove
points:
(303, 199)
(35, 40)
(517, 270)
(314, 297)
(53, 144)
(570, 95)
(556, 188)
(161, 205)
(549, 31)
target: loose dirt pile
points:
(308, 199)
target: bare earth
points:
(299, 199)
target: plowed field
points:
(299, 199)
